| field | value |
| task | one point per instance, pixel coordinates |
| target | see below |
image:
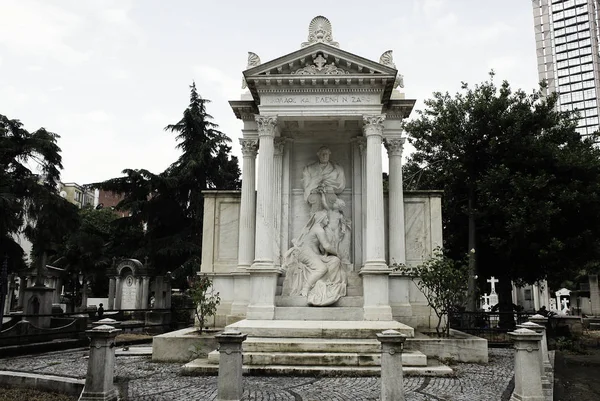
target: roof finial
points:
(253, 61)
(319, 31)
(388, 60)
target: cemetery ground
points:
(577, 369)
(142, 379)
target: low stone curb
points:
(57, 384)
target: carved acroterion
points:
(387, 59)
(253, 61)
(319, 31)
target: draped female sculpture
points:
(314, 269)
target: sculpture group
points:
(316, 263)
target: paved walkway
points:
(144, 380)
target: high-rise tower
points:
(566, 35)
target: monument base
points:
(317, 347)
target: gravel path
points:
(142, 379)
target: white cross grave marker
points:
(486, 302)
(493, 282)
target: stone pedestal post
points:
(528, 380)
(111, 293)
(542, 322)
(145, 291)
(263, 273)
(392, 344)
(539, 330)
(229, 386)
(119, 292)
(594, 294)
(375, 271)
(22, 286)
(57, 286)
(84, 295)
(101, 365)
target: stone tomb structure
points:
(315, 229)
(133, 285)
(307, 246)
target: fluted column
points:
(400, 284)
(375, 252)
(263, 256)
(279, 145)
(375, 271)
(241, 279)
(263, 272)
(248, 203)
(285, 197)
(397, 246)
(359, 201)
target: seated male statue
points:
(322, 176)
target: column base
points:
(241, 292)
(376, 291)
(378, 312)
(260, 312)
(111, 395)
(376, 266)
(401, 310)
(263, 286)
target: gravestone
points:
(129, 285)
(493, 295)
(485, 305)
(563, 295)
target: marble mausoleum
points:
(311, 238)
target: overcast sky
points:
(109, 75)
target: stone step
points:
(200, 367)
(260, 344)
(409, 358)
(347, 301)
(317, 313)
(318, 328)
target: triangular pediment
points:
(320, 65)
(319, 59)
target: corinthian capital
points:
(279, 143)
(266, 125)
(373, 125)
(249, 147)
(394, 146)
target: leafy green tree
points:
(29, 200)
(443, 282)
(520, 185)
(86, 250)
(170, 205)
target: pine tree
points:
(171, 204)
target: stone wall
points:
(423, 234)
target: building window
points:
(590, 93)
